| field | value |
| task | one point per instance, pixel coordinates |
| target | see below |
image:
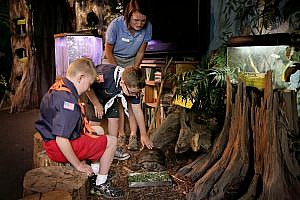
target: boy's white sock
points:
(101, 179)
(95, 167)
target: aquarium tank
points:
(70, 46)
(250, 57)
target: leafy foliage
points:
(205, 88)
(226, 31)
(257, 15)
(113, 10)
(3, 86)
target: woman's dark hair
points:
(136, 5)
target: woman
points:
(127, 36)
(126, 40)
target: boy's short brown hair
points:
(84, 65)
(134, 77)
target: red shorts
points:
(85, 148)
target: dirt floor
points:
(16, 151)
(175, 191)
(16, 158)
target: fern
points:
(198, 86)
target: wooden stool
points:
(56, 178)
(39, 157)
(42, 160)
(37, 147)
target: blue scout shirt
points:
(108, 89)
(60, 114)
(126, 45)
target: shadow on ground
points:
(16, 142)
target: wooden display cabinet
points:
(151, 90)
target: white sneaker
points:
(120, 155)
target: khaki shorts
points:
(125, 62)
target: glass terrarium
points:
(70, 46)
(250, 57)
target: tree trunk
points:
(178, 133)
(56, 178)
(39, 156)
(168, 131)
(197, 168)
(251, 159)
(23, 80)
(43, 160)
(37, 147)
(59, 195)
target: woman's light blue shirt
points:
(126, 45)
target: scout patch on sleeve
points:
(68, 105)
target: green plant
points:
(218, 66)
(3, 82)
(199, 85)
(255, 16)
(113, 10)
(3, 86)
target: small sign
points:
(21, 21)
(186, 103)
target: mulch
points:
(16, 159)
(176, 191)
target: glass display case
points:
(250, 57)
(70, 46)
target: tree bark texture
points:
(23, 80)
(43, 160)
(39, 157)
(251, 158)
(56, 178)
(37, 147)
(178, 133)
(167, 132)
(59, 195)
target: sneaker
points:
(93, 177)
(132, 144)
(106, 190)
(120, 155)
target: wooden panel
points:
(148, 97)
